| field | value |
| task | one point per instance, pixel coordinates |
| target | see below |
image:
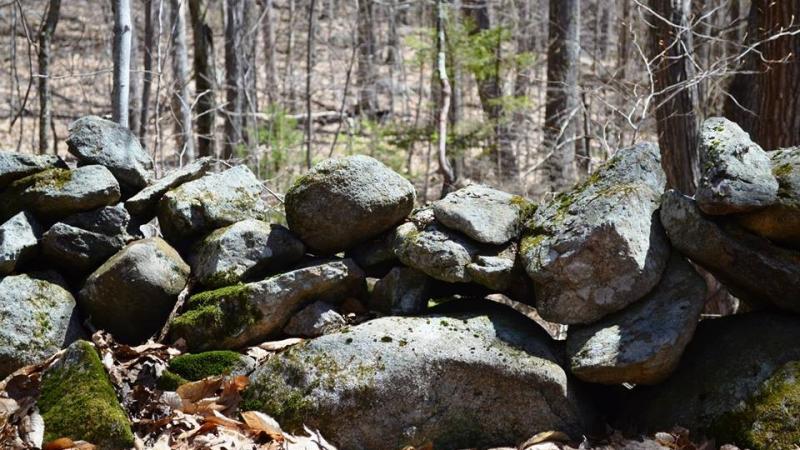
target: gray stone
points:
(403, 291)
(751, 267)
(38, 319)
(780, 221)
(145, 202)
(132, 294)
(435, 250)
(314, 320)
(720, 375)
(98, 141)
(479, 379)
(484, 214)
(598, 248)
(14, 166)
(56, 193)
(242, 251)
(736, 174)
(234, 316)
(498, 272)
(82, 242)
(375, 256)
(643, 343)
(19, 238)
(213, 201)
(343, 202)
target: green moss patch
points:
(203, 365)
(78, 401)
(170, 381)
(770, 419)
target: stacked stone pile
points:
(403, 348)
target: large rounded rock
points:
(56, 193)
(600, 247)
(343, 202)
(736, 172)
(80, 243)
(780, 221)
(643, 343)
(19, 239)
(132, 294)
(737, 382)
(143, 205)
(243, 251)
(484, 214)
(479, 379)
(751, 267)
(14, 166)
(213, 201)
(38, 318)
(234, 316)
(98, 141)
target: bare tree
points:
(448, 181)
(765, 94)
(204, 77)
(180, 71)
(147, 63)
(562, 104)
(676, 92)
(269, 53)
(233, 76)
(122, 61)
(46, 32)
(366, 74)
(309, 67)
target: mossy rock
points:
(78, 401)
(770, 419)
(195, 367)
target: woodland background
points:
(537, 93)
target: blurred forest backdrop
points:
(525, 95)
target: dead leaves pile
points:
(200, 415)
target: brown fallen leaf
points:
(68, 444)
(545, 436)
(262, 423)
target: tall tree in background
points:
(765, 95)
(180, 72)
(366, 74)
(122, 61)
(273, 94)
(448, 177)
(561, 108)
(45, 99)
(147, 63)
(309, 67)
(490, 92)
(676, 93)
(234, 88)
(204, 77)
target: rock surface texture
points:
(98, 141)
(14, 166)
(736, 172)
(751, 267)
(343, 202)
(643, 343)
(145, 202)
(497, 381)
(38, 319)
(213, 201)
(483, 214)
(132, 294)
(19, 238)
(237, 315)
(600, 247)
(243, 251)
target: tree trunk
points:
(562, 103)
(676, 102)
(309, 67)
(491, 93)
(122, 61)
(180, 70)
(367, 97)
(45, 99)
(233, 77)
(204, 78)
(135, 93)
(769, 85)
(269, 53)
(448, 178)
(147, 79)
